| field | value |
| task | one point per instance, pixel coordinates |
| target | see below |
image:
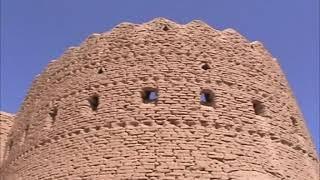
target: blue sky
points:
(37, 31)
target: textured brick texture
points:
(253, 129)
(6, 121)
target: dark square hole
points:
(100, 71)
(165, 27)
(294, 121)
(149, 95)
(205, 66)
(94, 102)
(259, 108)
(207, 98)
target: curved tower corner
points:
(162, 100)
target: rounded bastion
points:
(161, 100)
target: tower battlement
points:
(161, 100)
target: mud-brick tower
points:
(161, 101)
(6, 121)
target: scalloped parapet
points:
(161, 100)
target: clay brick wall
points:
(6, 121)
(85, 118)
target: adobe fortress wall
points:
(85, 116)
(6, 121)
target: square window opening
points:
(94, 102)
(207, 98)
(149, 95)
(259, 108)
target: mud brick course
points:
(160, 100)
(6, 121)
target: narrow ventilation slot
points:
(53, 114)
(26, 130)
(149, 95)
(207, 98)
(25, 133)
(259, 108)
(10, 145)
(94, 102)
(8, 149)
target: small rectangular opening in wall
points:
(8, 148)
(25, 133)
(53, 114)
(10, 145)
(207, 98)
(149, 95)
(294, 121)
(27, 128)
(94, 102)
(52, 117)
(259, 108)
